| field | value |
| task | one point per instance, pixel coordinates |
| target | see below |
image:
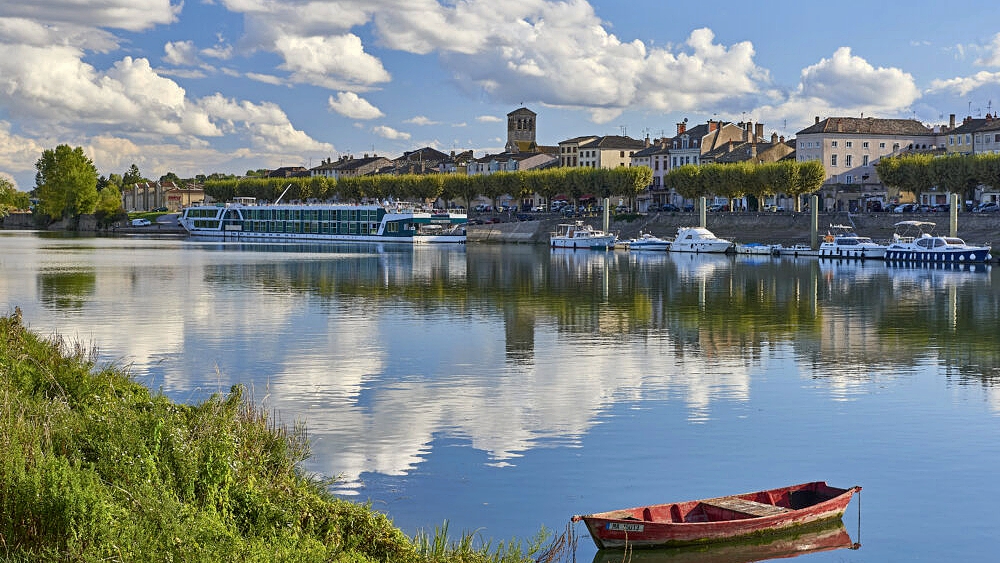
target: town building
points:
(849, 147)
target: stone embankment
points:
(768, 228)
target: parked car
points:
(989, 207)
(160, 210)
(941, 208)
(775, 208)
(905, 208)
(141, 222)
(538, 209)
(717, 207)
(669, 207)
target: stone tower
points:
(521, 131)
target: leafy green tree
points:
(987, 171)
(170, 177)
(109, 207)
(133, 176)
(685, 180)
(808, 179)
(11, 198)
(66, 182)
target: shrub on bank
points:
(96, 467)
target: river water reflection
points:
(505, 388)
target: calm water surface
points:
(506, 388)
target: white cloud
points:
(965, 84)
(390, 133)
(353, 106)
(332, 61)
(421, 120)
(132, 15)
(489, 119)
(992, 53)
(843, 84)
(35, 33)
(266, 125)
(17, 153)
(180, 53)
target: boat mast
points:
(288, 187)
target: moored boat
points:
(756, 248)
(698, 239)
(797, 250)
(647, 241)
(915, 241)
(828, 535)
(395, 222)
(581, 235)
(842, 242)
(717, 519)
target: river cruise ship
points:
(395, 222)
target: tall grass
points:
(95, 467)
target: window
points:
(833, 159)
(968, 139)
(864, 145)
(848, 179)
(864, 160)
(881, 145)
(850, 144)
(848, 160)
(621, 154)
(951, 139)
(833, 143)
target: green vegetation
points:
(958, 174)
(11, 199)
(95, 467)
(752, 180)
(573, 182)
(66, 182)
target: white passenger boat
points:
(396, 222)
(698, 239)
(581, 235)
(915, 241)
(647, 241)
(842, 242)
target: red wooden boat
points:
(717, 519)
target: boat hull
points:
(970, 255)
(718, 519)
(701, 247)
(597, 243)
(859, 252)
(797, 250)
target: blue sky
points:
(230, 85)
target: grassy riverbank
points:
(96, 467)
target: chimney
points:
(781, 139)
(951, 121)
(712, 125)
(817, 120)
(646, 142)
(746, 132)
(681, 128)
(759, 132)
(774, 138)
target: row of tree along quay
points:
(96, 467)
(957, 174)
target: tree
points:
(66, 182)
(170, 177)
(132, 177)
(11, 198)
(109, 207)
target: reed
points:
(96, 467)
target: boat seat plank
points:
(746, 506)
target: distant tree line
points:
(957, 174)
(574, 183)
(756, 181)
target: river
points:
(503, 388)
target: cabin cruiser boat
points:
(581, 235)
(843, 242)
(699, 239)
(915, 241)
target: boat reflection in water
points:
(824, 536)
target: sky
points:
(202, 86)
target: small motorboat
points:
(581, 235)
(698, 239)
(647, 241)
(756, 248)
(842, 242)
(717, 519)
(915, 241)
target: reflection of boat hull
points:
(824, 536)
(717, 519)
(980, 267)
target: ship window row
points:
(312, 214)
(203, 213)
(310, 227)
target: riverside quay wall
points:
(769, 228)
